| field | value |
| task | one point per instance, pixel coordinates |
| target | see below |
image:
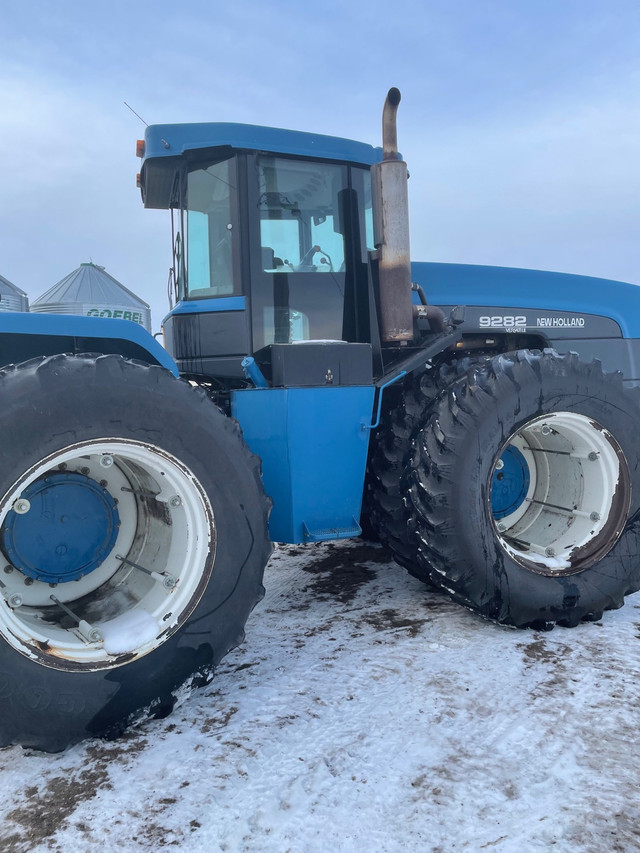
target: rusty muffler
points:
(391, 231)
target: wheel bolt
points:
(595, 516)
(106, 461)
(501, 527)
(499, 465)
(546, 430)
(593, 457)
(175, 501)
(8, 570)
(21, 506)
(550, 552)
(28, 581)
(15, 600)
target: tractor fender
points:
(25, 335)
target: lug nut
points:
(15, 600)
(21, 506)
(550, 552)
(175, 501)
(106, 461)
(595, 516)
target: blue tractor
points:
(488, 437)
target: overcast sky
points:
(520, 121)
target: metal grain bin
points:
(90, 291)
(11, 297)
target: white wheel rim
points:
(577, 499)
(121, 611)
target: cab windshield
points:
(299, 223)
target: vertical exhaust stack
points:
(391, 226)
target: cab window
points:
(210, 244)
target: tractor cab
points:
(291, 299)
(272, 233)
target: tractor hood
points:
(466, 284)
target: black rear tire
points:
(186, 497)
(459, 544)
(406, 409)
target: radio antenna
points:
(136, 114)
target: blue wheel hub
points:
(510, 484)
(67, 532)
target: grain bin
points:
(11, 297)
(90, 291)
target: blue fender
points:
(25, 335)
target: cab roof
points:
(166, 142)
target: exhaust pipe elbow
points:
(389, 127)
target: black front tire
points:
(555, 564)
(186, 497)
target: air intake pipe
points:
(391, 231)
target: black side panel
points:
(537, 321)
(211, 344)
(615, 354)
(589, 335)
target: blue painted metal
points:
(68, 532)
(313, 447)
(465, 284)
(253, 372)
(380, 393)
(170, 140)
(69, 325)
(322, 535)
(206, 306)
(510, 484)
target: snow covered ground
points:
(364, 713)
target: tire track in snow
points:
(391, 718)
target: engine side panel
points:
(502, 328)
